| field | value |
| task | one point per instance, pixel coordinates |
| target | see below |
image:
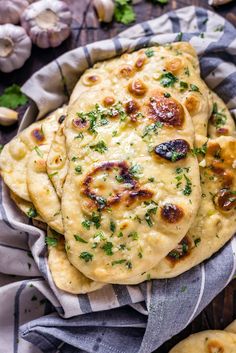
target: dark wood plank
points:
(86, 29)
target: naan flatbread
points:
(120, 194)
(41, 190)
(14, 156)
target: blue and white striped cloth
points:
(34, 314)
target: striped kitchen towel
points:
(36, 316)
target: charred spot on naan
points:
(173, 150)
(126, 188)
(165, 110)
(140, 62)
(91, 79)
(61, 119)
(214, 346)
(132, 109)
(38, 136)
(108, 101)
(174, 65)
(81, 123)
(182, 250)
(126, 71)
(225, 200)
(137, 88)
(171, 213)
(220, 163)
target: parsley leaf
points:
(86, 224)
(167, 79)
(124, 12)
(12, 97)
(149, 52)
(200, 150)
(218, 118)
(107, 247)
(100, 147)
(51, 241)
(118, 262)
(78, 238)
(78, 169)
(86, 256)
(135, 171)
(148, 214)
(188, 187)
(32, 213)
(194, 88)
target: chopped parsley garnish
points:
(128, 265)
(124, 12)
(101, 201)
(167, 79)
(194, 88)
(152, 128)
(148, 215)
(79, 136)
(52, 175)
(100, 147)
(200, 150)
(167, 95)
(135, 171)
(78, 238)
(74, 159)
(107, 247)
(219, 119)
(149, 52)
(32, 213)
(188, 187)
(12, 97)
(39, 153)
(120, 235)
(133, 235)
(119, 178)
(112, 226)
(86, 256)
(51, 241)
(96, 219)
(86, 224)
(183, 86)
(186, 71)
(78, 169)
(179, 36)
(140, 255)
(118, 262)
(151, 180)
(176, 155)
(197, 241)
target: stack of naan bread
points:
(135, 178)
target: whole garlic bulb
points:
(15, 47)
(10, 10)
(47, 22)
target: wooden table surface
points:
(86, 29)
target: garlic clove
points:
(8, 116)
(10, 10)
(218, 2)
(47, 22)
(105, 10)
(15, 47)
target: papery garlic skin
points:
(47, 22)
(105, 10)
(15, 47)
(10, 10)
(8, 116)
